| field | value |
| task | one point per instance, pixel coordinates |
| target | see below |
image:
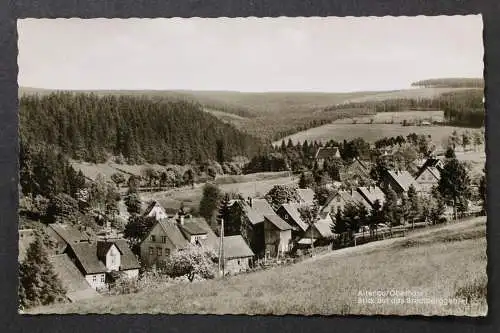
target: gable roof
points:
(236, 247)
(403, 179)
(306, 195)
(212, 240)
(103, 248)
(173, 233)
(324, 227)
(68, 233)
(432, 170)
(327, 152)
(73, 281)
(128, 260)
(256, 211)
(278, 222)
(372, 194)
(86, 256)
(292, 209)
(192, 228)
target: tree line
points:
(450, 83)
(92, 128)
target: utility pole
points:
(221, 247)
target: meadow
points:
(394, 117)
(369, 132)
(446, 265)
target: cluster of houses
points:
(87, 263)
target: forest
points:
(450, 83)
(88, 127)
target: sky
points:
(330, 54)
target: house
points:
(155, 210)
(306, 196)
(76, 286)
(432, 162)
(400, 181)
(66, 234)
(427, 178)
(237, 255)
(371, 194)
(355, 171)
(96, 260)
(251, 219)
(290, 213)
(26, 237)
(324, 153)
(171, 234)
(340, 199)
(320, 231)
(278, 236)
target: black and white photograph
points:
(252, 166)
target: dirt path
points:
(387, 242)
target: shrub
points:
(193, 261)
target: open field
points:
(253, 185)
(395, 117)
(369, 132)
(437, 265)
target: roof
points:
(68, 233)
(278, 222)
(257, 210)
(306, 194)
(73, 281)
(212, 239)
(128, 260)
(173, 233)
(404, 179)
(372, 194)
(192, 228)
(103, 248)
(324, 227)
(433, 170)
(150, 207)
(292, 209)
(327, 152)
(86, 255)
(236, 247)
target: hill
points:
(92, 128)
(451, 83)
(443, 263)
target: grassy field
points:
(448, 263)
(369, 132)
(254, 185)
(395, 117)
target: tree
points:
(450, 153)
(188, 177)
(309, 214)
(321, 195)
(305, 180)
(281, 194)
(230, 228)
(466, 139)
(352, 219)
(340, 225)
(133, 202)
(376, 217)
(63, 209)
(118, 178)
(38, 283)
(415, 206)
(133, 182)
(391, 210)
(454, 184)
(209, 203)
(483, 192)
(478, 139)
(220, 151)
(136, 229)
(192, 261)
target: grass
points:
(396, 117)
(369, 132)
(439, 266)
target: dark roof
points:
(68, 233)
(173, 233)
(150, 207)
(128, 260)
(327, 152)
(256, 211)
(278, 222)
(404, 179)
(236, 247)
(212, 239)
(86, 255)
(192, 228)
(102, 249)
(292, 209)
(372, 194)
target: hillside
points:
(451, 83)
(443, 263)
(93, 128)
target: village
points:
(290, 223)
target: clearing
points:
(444, 266)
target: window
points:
(163, 239)
(286, 216)
(94, 278)
(151, 251)
(103, 278)
(167, 252)
(158, 251)
(153, 238)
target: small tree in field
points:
(191, 262)
(38, 283)
(454, 184)
(281, 194)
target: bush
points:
(193, 261)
